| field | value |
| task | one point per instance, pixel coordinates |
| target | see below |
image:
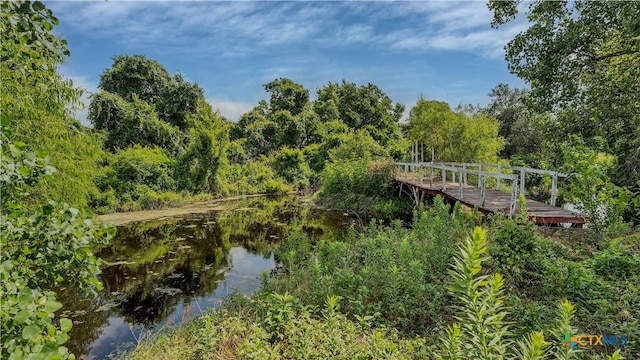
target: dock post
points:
(514, 196)
(523, 172)
(464, 166)
(460, 186)
(444, 178)
(499, 176)
(431, 176)
(554, 188)
(482, 189)
(421, 177)
(406, 174)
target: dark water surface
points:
(162, 272)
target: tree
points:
(136, 80)
(360, 107)
(581, 61)
(516, 122)
(287, 95)
(455, 136)
(129, 75)
(35, 103)
(128, 123)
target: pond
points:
(162, 272)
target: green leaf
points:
(30, 332)
(20, 145)
(47, 209)
(37, 6)
(52, 306)
(65, 324)
(21, 317)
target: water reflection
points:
(161, 272)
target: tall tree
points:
(287, 95)
(361, 107)
(516, 122)
(581, 60)
(454, 136)
(129, 75)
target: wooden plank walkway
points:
(495, 201)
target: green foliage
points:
(481, 311)
(131, 122)
(455, 136)
(199, 166)
(360, 107)
(519, 252)
(136, 75)
(359, 185)
(517, 124)
(591, 189)
(139, 165)
(481, 331)
(381, 273)
(358, 145)
(290, 164)
(287, 95)
(254, 177)
(50, 246)
(36, 101)
(279, 327)
(580, 58)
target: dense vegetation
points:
(506, 292)
(385, 292)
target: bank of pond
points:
(277, 277)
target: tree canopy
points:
(454, 136)
(581, 60)
(360, 107)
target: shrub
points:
(358, 185)
(49, 246)
(395, 275)
(290, 164)
(254, 177)
(280, 327)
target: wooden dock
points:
(427, 178)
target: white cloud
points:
(230, 109)
(244, 28)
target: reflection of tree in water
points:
(156, 265)
(87, 322)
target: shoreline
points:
(123, 218)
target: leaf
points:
(37, 6)
(65, 324)
(20, 145)
(21, 317)
(52, 306)
(30, 332)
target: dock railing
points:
(516, 175)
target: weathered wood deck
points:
(493, 200)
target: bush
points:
(251, 178)
(280, 327)
(291, 165)
(381, 272)
(360, 185)
(51, 246)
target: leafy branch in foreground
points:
(481, 332)
(41, 249)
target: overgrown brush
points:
(393, 274)
(278, 326)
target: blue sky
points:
(443, 50)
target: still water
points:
(163, 272)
